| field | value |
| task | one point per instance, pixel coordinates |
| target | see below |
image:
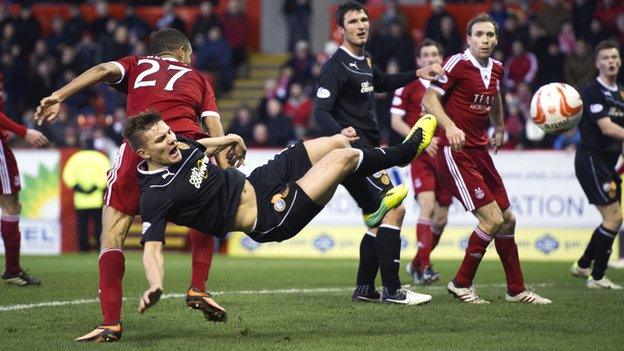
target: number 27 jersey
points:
(181, 95)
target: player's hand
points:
(497, 139)
(432, 149)
(456, 137)
(431, 72)
(48, 109)
(236, 152)
(35, 138)
(149, 298)
(350, 133)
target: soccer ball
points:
(556, 107)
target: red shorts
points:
(9, 174)
(122, 189)
(472, 178)
(425, 178)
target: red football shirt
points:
(407, 101)
(468, 91)
(7, 124)
(181, 95)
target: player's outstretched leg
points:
(112, 268)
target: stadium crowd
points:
(552, 44)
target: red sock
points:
(508, 253)
(202, 248)
(477, 244)
(9, 226)
(423, 233)
(112, 268)
(435, 237)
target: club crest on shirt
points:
(610, 188)
(182, 146)
(479, 193)
(279, 204)
(417, 183)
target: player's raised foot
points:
(21, 279)
(391, 199)
(365, 293)
(421, 133)
(414, 272)
(103, 333)
(580, 272)
(199, 300)
(529, 297)
(428, 276)
(617, 264)
(467, 295)
(403, 296)
(603, 283)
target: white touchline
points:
(17, 307)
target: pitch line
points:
(18, 307)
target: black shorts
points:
(283, 207)
(596, 173)
(368, 191)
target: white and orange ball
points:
(556, 107)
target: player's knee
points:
(493, 222)
(509, 219)
(395, 216)
(339, 141)
(347, 159)
(614, 220)
(11, 208)
(440, 223)
(426, 209)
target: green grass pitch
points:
(305, 304)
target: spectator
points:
(270, 88)
(120, 46)
(551, 65)
(297, 13)
(235, 30)
(27, 28)
(432, 28)
(514, 124)
(392, 14)
(260, 136)
(135, 24)
(75, 26)
(606, 12)
(596, 33)
(499, 13)
(283, 82)
(537, 40)
(87, 51)
(41, 83)
(329, 49)
(170, 19)
(114, 125)
(8, 38)
(521, 66)
(552, 16)
(279, 127)
(579, 67)
(98, 27)
(582, 14)
(567, 40)
(568, 140)
(242, 124)
(215, 55)
(298, 108)
(56, 37)
(620, 29)
(301, 63)
(449, 36)
(206, 19)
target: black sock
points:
(604, 242)
(388, 244)
(367, 269)
(621, 246)
(377, 159)
(588, 256)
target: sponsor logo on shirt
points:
(481, 102)
(199, 172)
(367, 87)
(595, 108)
(615, 112)
(322, 93)
(146, 226)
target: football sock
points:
(424, 237)
(367, 269)
(602, 251)
(9, 226)
(436, 234)
(588, 255)
(377, 159)
(508, 254)
(621, 246)
(388, 245)
(202, 249)
(477, 244)
(112, 268)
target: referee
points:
(602, 134)
(345, 104)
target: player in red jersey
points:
(463, 101)
(167, 83)
(433, 199)
(9, 200)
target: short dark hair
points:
(605, 45)
(346, 7)
(167, 40)
(136, 125)
(482, 17)
(429, 42)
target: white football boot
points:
(603, 283)
(467, 295)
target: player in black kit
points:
(345, 104)
(602, 134)
(180, 185)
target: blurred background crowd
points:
(552, 44)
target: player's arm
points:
(49, 107)
(232, 143)
(328, 89)
(596, 111)
(498, 122)
(32, 136)
(388, 82)
(154, 266)
(432, 101)
(610, 129)
(215, 129)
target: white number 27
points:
(155, 66)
